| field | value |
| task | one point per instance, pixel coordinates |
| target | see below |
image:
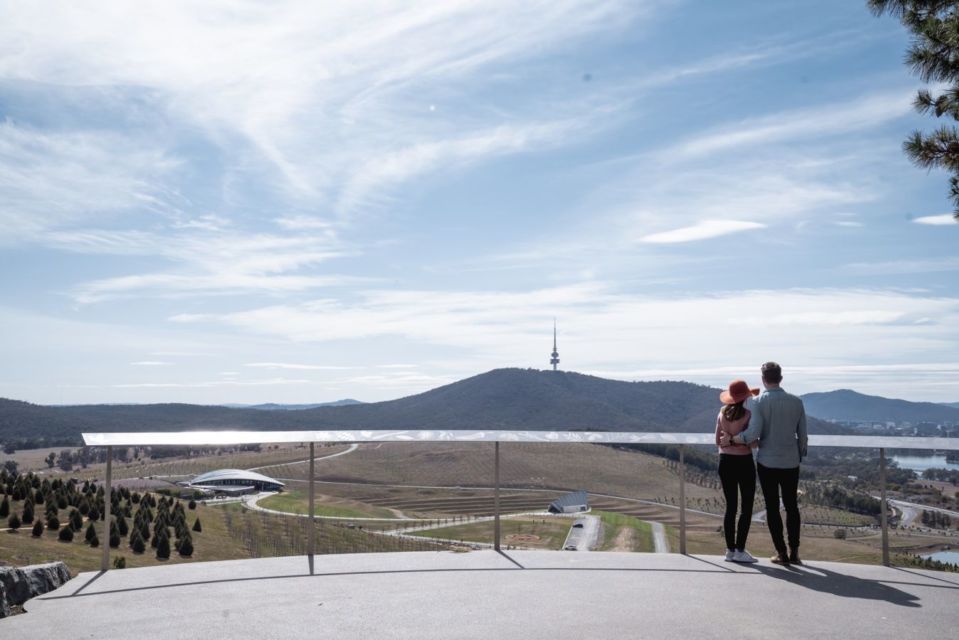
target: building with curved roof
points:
(235, 481)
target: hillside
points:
(845, 404)
(499, 399)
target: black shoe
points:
(794, 557)
(780, 558)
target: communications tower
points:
(554, 357)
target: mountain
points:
(954, 405)
(272, 406)
(522, 399)
(848, 405)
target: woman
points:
(737, 471)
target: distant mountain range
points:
(272, 406)
(848, 405)
(954, 405)
(499, 399)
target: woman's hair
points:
(734, 411)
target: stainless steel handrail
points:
(211, 438)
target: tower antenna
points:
(554, 357)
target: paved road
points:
(911, 510)
(660, 543)
(353, 447)
(586, 537)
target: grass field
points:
(625, 533)
(450, 481)
(178, 467)
(297, 501)
(524, 533)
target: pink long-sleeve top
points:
(733, 427)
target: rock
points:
(17, 585)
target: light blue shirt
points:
(779, 423)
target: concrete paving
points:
(485, 594)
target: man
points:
(779, 423)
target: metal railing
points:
(682, 440)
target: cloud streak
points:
(701, 231)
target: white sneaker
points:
(743, 556)
(731, 555)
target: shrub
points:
(37, 529)
(27, 516)
(163, 548)
(136, 542)
(4, 507)
(197, 526)
(76, 520)
(13, 522)
(91, 532)
(839, 534)
(120, 562)
(186, 547)
(94, 541)
(66, 534)
(93, 513)
(192, 504)
(121, 524)
(114, 535)
(53, 522)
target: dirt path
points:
(624, 539)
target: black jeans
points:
(772, 481)
(738, 476)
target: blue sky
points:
(295, 202)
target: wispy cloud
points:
(151, 363)
(54, 179)
(303, 367)
(271, 382)
(807, 123)
(701, 231)
(939, 220)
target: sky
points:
(243, 202)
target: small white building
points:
(574, 502)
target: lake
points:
(921, 463)
(951, 557)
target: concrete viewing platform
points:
(489, 594)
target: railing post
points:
(496, 529)
(312, 539)
(883, 518)
(107, 503)
(682, 499)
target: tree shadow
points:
(839, 584)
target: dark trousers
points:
(738, 476)
(773, 481)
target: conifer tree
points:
(91, 532)
(4, 507)
(66, 534)
(186, 546)
(53, 522)
(114, 535)
(163, 548)
(197, 526)
(27, 516)
(121, 524)
(37, 529)
(13, 522)
(934, 56)
(136, 542)
(94, 541)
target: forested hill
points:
(499, 399)
(848, 405)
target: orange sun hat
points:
(737, 392)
